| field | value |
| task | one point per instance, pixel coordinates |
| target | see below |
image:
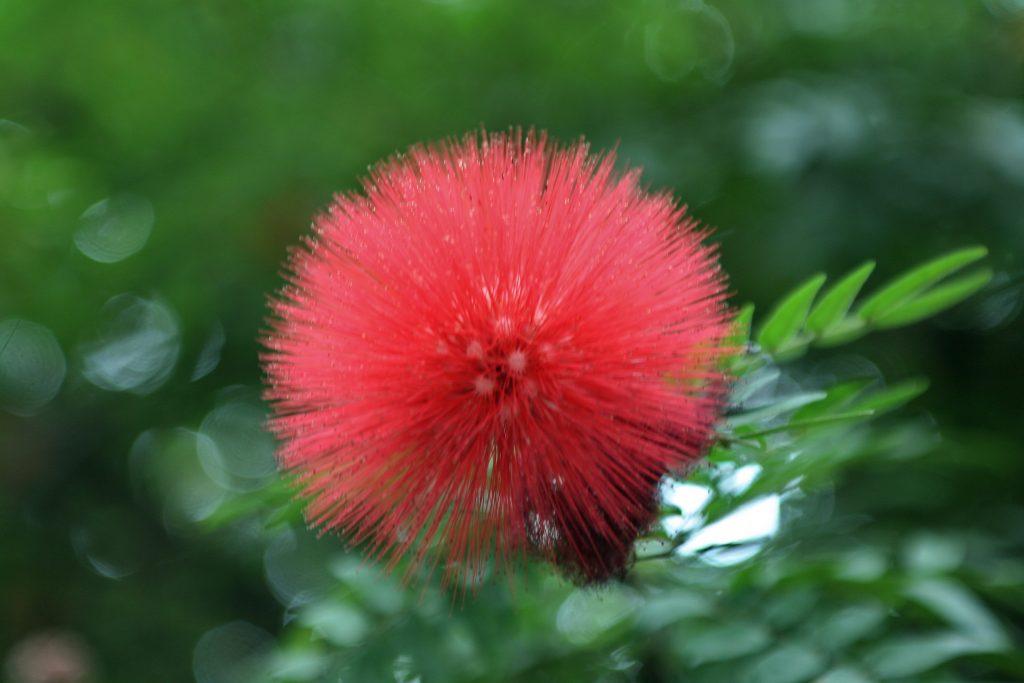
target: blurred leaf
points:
(934, 300)
(960, 608)
(703, 642)
(277, 498)
(893, 396)
(930, 553)
(910, 284)
(810, 422)
(841, 628)
(787, 608)
(906, 656)
(844, 674)
(843, 332)
(779, 407)
(779, 331)
(342, 624)
(297, 665)
(748, 385)
(792, 663)
(671, 607)
(289, 513)
(865, 564)
(742, 362)
(836, 397)
(586, 615)
(741, 326)
(834, 304)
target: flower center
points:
(499, 370)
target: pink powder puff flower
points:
(497, 352)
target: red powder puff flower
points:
(499, 351)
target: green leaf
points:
(298, 665)
(834, 304)
(910, 284)
(961, 609)
(671, 607)
(289, 513)
(841, 628)
(742, 322)
(844, 674)
(845, 331)
(910, 655)
(748, 385)
(785, 322)
(340, 623)
(585, 615)
(893, 396)
(837, 396)
(741, 363)
(934, 300)
(717, 642)
(277, 497)
(780, 406)
(807, 423)
(787, 663)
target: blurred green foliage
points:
(156, 159)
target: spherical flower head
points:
(497, 352)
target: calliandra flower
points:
(497, 352)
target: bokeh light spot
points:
(165, 467)
(586, 614)
(137, 347)
(232, 653)
(295, 566)
(209, 355)
(32, 366)
(50, 657)
(238, 452)
(110, 541)
(113, 229)
(340, 623)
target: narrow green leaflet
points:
(719, 640)
(810, 422)
(795, 324)
(780, 406)
(838, 397)
(739, 363)
(909, 285)
(276, 499)
(742, 322)
(961, 609)
(844, 674)
(834, 304)
(751, 383)
(843, 332)
(893, 396)
(934, 300)
(912, 655)
(779, 332)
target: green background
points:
(157, 158)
